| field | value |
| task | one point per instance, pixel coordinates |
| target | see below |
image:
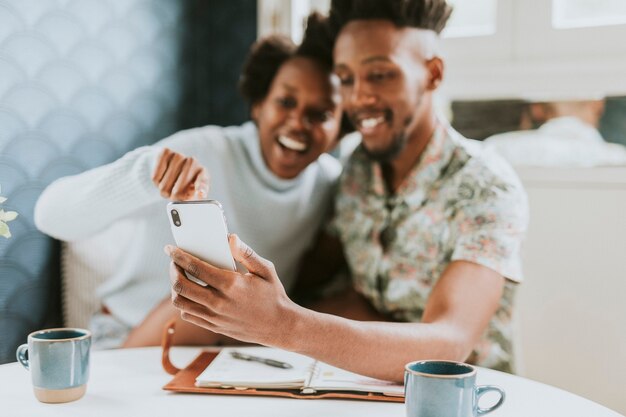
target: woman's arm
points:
(149, 332)
(77, 207)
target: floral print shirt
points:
(460, 202)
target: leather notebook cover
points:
(185, 379)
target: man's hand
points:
(251, 307)
(179, 177)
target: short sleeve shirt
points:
(460, 202)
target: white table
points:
(128, 382)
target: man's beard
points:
(398, 143)
(391, 152)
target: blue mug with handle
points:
(436, 388)
(58, 361)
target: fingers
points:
(250, 259)
(199, 321)
(190, 307)
(216, 278)
(179, 177)
(201, 184)
(174, 168)
(183, 183)
(161, 166)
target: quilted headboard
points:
(81, 83)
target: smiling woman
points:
(276, 162)
(297, 119)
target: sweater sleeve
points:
(77, 207)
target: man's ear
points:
(435, 70)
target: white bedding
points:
(560, 142)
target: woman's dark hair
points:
(265, 58)
(315, 43)
(422, 14)
(269, 53)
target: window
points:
(471, 18)
(587, 13)
(287, 16)
(511, 48)
(551, 47)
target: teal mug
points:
(436, 388)
(58, 361)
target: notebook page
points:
(226, 371)
(330, 378)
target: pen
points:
(270, 362)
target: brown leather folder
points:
(184, 379)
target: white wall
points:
(572, 304)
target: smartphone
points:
(199, 228)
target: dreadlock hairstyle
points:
(421, 14)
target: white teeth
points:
(371, 122)
(292, 144)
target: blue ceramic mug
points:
(435, 388)
(58, 360)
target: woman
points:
(271, 176)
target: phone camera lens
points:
(175, 218)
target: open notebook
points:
(306, 374)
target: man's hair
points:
(315, 46)
(421, 14)
(268, 54)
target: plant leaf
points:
(7, 216)
(4, 230)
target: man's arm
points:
(350, 305)
(457, 313)
(254, 307)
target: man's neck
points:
(396, 171)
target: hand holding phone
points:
(199, 228)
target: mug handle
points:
(482, 389)
(22, 355)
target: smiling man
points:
(429, 222)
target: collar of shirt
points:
(415, 188)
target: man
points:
(430, 223)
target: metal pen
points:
(270, 362)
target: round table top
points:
(127, 382)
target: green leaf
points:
(7, 216)
(4, 230)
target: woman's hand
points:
(251, 307)
(179, 177)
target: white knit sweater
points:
(276, 217)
